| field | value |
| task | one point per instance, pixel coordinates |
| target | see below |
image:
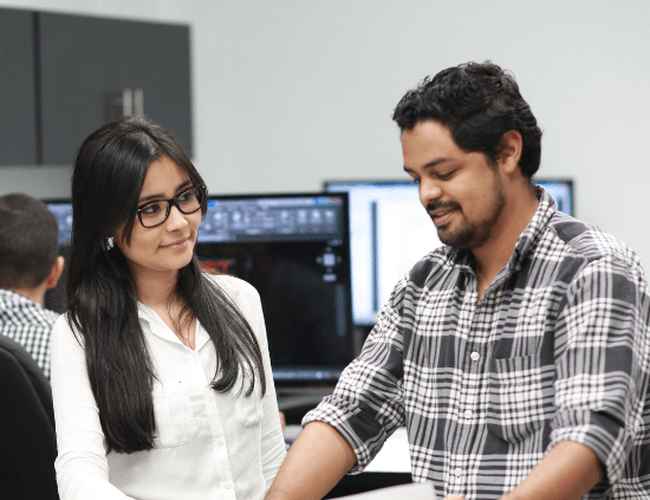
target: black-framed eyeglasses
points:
(155, 213)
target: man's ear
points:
(510, 151)
(55, 272)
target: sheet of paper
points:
(420, 491)
(394, 455)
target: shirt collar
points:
(9, 298)
(152, 323)
(529, 237)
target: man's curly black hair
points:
(478, 102)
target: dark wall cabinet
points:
(87, 62)
(17, 89)
(76, 73)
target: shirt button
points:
(458, 472)
(475, 356)
(469, 413)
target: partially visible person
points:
(517, 355)
(29, 266)
(26, 427)
(161, 375)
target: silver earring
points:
(110, 243)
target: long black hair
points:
(108, 175)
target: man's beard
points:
(469, 235)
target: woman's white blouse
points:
(209, 445)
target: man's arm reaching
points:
(317, 460)
(568, 472)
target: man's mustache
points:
(449, 205)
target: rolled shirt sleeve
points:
(603, 363)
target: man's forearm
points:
(569, 471)
(317, 460)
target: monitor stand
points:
(294, 402)
(306, 397)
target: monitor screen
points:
(562, 192)
(62, 210)
(294, 250)
(390, 232)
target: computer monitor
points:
(562, 192)
(62, 210)
(390, 232)
(294, 249)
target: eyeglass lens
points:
(155, 213)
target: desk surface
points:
(393, 457)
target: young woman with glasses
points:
(160, 374)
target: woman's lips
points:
(177, 243)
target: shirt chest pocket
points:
(180, 417)
(244, 422)
(247, 408)
(248, 411)
(520, 397)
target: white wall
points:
(288, 93)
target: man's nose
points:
(429, 191)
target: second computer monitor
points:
(294, 250)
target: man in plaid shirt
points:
(518, 355)
(29, 265)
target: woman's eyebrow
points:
(161, 196)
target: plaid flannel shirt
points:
(557, 349)
(29, 324)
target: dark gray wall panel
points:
(84, 60)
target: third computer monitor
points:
(390, 232)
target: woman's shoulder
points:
(64, 335)
(61, 326)
(241, 292)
